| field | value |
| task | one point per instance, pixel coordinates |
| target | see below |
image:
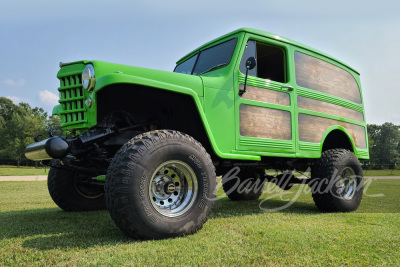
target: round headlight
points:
(88, 78)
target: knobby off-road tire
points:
(243, 184)
(70, 195)
(337, 181)
(160, 184)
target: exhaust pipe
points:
(52, 148)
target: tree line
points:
(384, 145)
(20, 123)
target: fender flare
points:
(340, 128)
(117, 78)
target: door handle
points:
(288, 87)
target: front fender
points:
(116, 78)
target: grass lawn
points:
(25, 171)
(6, 170)
(381, 172)
(33, 231)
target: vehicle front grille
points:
(72, 100)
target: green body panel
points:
(217, 99)
(157, 78)
(263, 146)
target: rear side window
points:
(270, 61)
(319, 75)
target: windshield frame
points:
(197, 55)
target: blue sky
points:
(36, 35)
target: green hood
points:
(148, 76)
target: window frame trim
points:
(282, 46)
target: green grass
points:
(6, 170)
(381, 172)
(33, 231)
(25, 171)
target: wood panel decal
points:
(264, 122)
(316, 74)
(265, 95)
(312, 128)
(328, 108)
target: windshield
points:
(212, 58)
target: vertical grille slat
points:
(72, 100)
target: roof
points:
(268, 35)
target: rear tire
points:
(71, 195)
(337, 181)
(243, 184)
(160, 184)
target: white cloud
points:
(15, 83)
(15, 99)
(48, 98)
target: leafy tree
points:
(54, 122)
(384, 144)
(18, 125)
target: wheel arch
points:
(337, 137)
(116, 91)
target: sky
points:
(36, 35)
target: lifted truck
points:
(148, 144)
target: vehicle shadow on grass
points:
(226, 208)
(51, 228)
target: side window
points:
(270, 61)
(249, 51)
(319, 75)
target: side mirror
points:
(250, 64)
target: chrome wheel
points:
(173, 188)
(347, 183)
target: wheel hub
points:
(173, 188)
(169, 188)
(159, 186)
(347, 184)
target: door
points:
(265, 110)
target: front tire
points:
(159, 185)
(70, 194)
(337, 181)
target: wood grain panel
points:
(264, 123)
(328, 108)
(316, 74)
(312, 128)
(265, 95)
